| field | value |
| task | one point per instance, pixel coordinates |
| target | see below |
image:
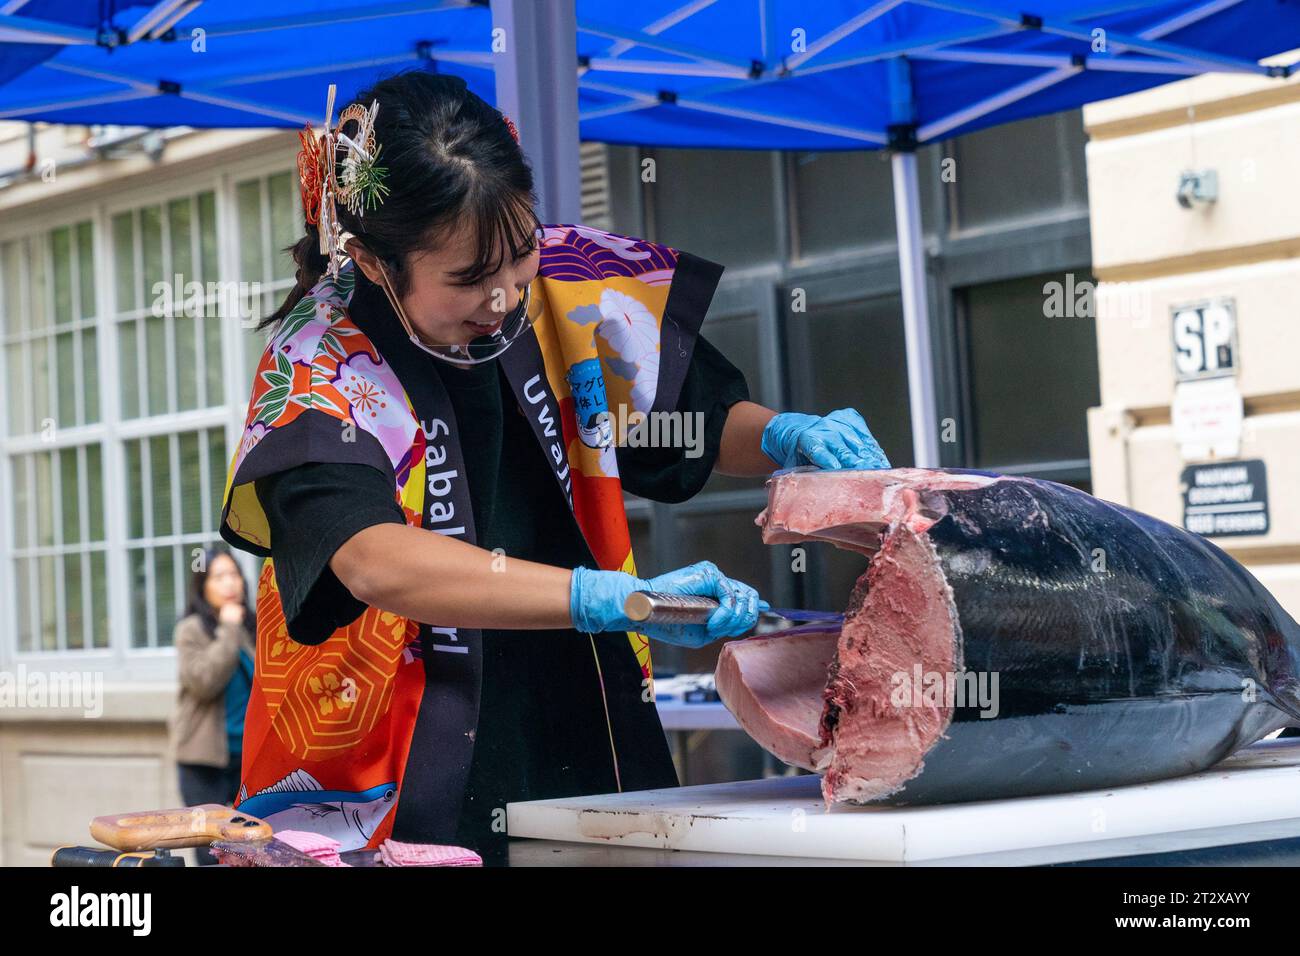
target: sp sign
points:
(1205, 340)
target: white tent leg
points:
(916, 313)
(537, 87)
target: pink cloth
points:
(393, 853)
(320, 848)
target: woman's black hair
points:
(196, 601)
(451, 162)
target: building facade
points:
(124, 390)
(1196, 299)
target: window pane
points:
(18, 389)
(249, 204)
(160, 471)
(179, 235)
(736, 337)
(66, 380)
(286, 224)
(187, 364)
(46, 585)
(22, 501)
(134, 484)
(843, 198)
(715, 203)
(68, 495)
(11, 289)
(90, 374)
(208, 236)
(42, 414)
(838, 338)
(128, 363)
(99, 598)
(61, 260)
(1017, 356)
(124, 268)
(74, 611)
(165, 598)
(86, 270)
(212, 359)
(217, 465)
(44, 499)
(40, 292)
(95, 491)
(191, 484)
(155, 340)
(22, 585)
(151, 245)
(1001, 172)
(139, 584)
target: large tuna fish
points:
(1009, 637)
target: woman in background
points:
(214, 654)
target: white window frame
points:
(120, 662)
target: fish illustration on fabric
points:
(298, 801)
(590, 405)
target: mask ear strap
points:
(397, 307)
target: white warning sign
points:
(1226, 498)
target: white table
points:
(1253, 795)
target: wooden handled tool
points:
(171, 829)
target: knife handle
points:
(658, 608)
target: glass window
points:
(842, 199)
(59, 557)
(174, 484)
(167, 294)
(853, 355)
(714, 203)
(736, 337)
(47, 318)
(1020, 169)
(1017, 355)
(269, 212)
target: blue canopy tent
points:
(745, 74)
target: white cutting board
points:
(1253, 795)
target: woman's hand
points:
(231, 613)
(838, 440)
(596, 603)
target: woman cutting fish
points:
(431, 462)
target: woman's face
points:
(445, 312)
(224, 584)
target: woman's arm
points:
(404, 570)
(741, 454)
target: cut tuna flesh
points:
(1009, 637)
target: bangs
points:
(503, 224)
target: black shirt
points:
(535, 736)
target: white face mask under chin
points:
(512, 327)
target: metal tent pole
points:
(537, 87)
(911, 265)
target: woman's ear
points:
(366, 260)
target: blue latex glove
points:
(838, 440)
(596, 603)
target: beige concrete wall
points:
(59, 769)
(1151, 255)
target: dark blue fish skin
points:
(1126, 650)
